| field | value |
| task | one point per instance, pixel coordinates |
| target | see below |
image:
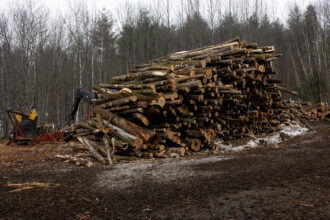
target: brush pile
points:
(178, 104)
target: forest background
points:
(45, 57)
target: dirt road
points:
(288, 181)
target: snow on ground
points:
(273, 138)
(295, 131)
(124, 175)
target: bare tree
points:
(212, 8)
(43, 59)
(167, 6)
(78, 26)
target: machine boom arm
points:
(79, 95)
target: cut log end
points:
(195, 144)
(161, 101)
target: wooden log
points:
(132, 140)
(91, 149)
(109, 151)
(191, 84)
(161, 154)
(286, 90)
(142, 118)
(130, 111)
(131, 76)
(77, 160)
(194, 144)
(119, 102)
(178, 150)
(119, 108)
(107, 95)
(196, 52)
(147, 135)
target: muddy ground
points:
(290, 180)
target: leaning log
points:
(133, 141)
(91, 149)
(147, 135)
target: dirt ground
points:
(290, 180)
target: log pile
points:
(306, 110)
(178, 104)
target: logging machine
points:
(25, 127)
(81, 94)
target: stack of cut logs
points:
(311, 112)
(178, 104)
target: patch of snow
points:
(221, 145)
(294, 131)
(238, 148)
(124, 175)
(252, 144)
(273, 138)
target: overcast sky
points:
(280, 7)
